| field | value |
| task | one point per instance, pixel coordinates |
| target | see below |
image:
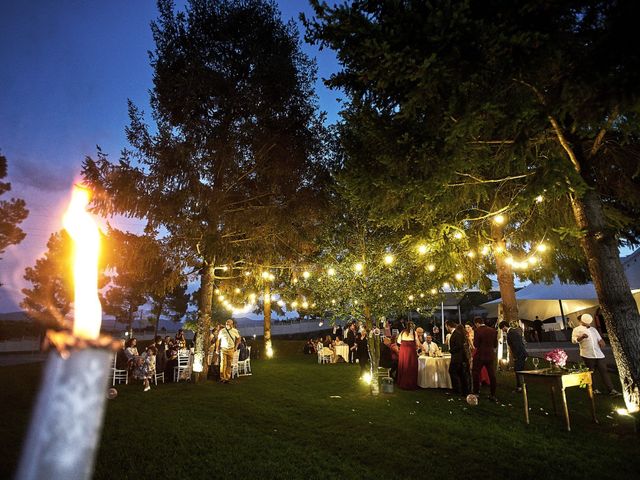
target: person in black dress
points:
(363, 351)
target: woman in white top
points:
(591, 345)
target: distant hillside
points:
(14, 317)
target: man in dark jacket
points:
(485, 341)
(518, 349)
(459, 366)
(351, 341)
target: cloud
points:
(42, 176)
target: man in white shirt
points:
(227, 343)
(430, 348)
(591, 344)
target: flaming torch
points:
(65, 427)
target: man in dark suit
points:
(485, 341)
(459, 366)
(351, 341)
(337, 332)
(518, 349)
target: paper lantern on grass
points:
(472, 399)
(112, 393)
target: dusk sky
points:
(68, 68)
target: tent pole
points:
(442, 317)
(564, 325)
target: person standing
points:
(591, 345)
(515, 340)
(408, 359)
(485, 342)
(228, 340)
(537, 330)
(351, 342)
(363, 351)
(459, 366)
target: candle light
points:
(65, 427)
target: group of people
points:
(162, 355)
(472, 347)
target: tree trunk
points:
(505, 275)
(614, 294)
(367, 317)
(374, 359)
(268, 348)
(160, 307)
(201, 355)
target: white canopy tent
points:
(563, 299)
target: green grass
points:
(282, 423)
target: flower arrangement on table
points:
(557, 357)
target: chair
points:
(323, 357)
(234, 364)
(157, 376)
(118, 374)
(183, 370)
(244, 366)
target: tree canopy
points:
(12, 213)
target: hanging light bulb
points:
(485, 250)
(217, 291)
(471, 254)
(431, 267)
(236, 290)
(446, 285)
(280, 303)
(306, 275)
(422, 249)
(247, 273)
(539, 199)
(388, 259)
(221, 298)
(457, 235)
(331, 271)
(358, 267)
(294, 304)
(225, 268)
(499, 219)
(542, 248)
(433, 291)
(305, 304)
(459, 276)
(252, 297)
(411, 298)
(265, 274)
(422, 295)
(333, 302)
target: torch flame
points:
(86, 237)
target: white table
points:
(433, 372)
(341, 351)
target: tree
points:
(232, 173)
(12, 213)
(173, 303)
(49, 299)
(144, 271)
(488, 83)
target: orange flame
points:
(86, 237)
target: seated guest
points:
(131, 349)
(161, 354)
(172, 361)
(388, 358)
(309, 348)
(121, 358)
(430, 348)
(338, 341)
(181, 340)
(144, 367)
(243, 350)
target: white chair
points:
(323, 355)
(158, 376)
(244, 366)
(118, 374)
(183, 370)
(234, 364)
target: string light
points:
(459, 276)
(358, 267)
(331, 272)
(294, 304)
(247, 273)
(445, 285)
(542, 248)
(431, 267)
(422, 249)
(280, 303)
(221, 298)
(252, 297)
(457, 235)
(237, 290)
(539, 199)
(499, 219)
(422, 295)
(306, 274)
(485, 250)
(411, 298)
(272, 277)
(333, 302)
(225, 268)
(217, 291)
(305, 304)
(471, 254)
(265, 274)
(388, 259)
(433, 291)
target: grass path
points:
(283, 423)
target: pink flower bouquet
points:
(557, 356)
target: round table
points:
(341, 351)
(433, 372)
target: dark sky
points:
(67, 68)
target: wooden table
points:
(557, 381)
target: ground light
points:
(366, 378)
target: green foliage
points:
(50, 297)
(12, 213)
(450, 107)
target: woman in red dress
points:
(484, 375)
(408, 359)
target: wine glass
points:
(535, 361)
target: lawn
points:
(285, 422)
